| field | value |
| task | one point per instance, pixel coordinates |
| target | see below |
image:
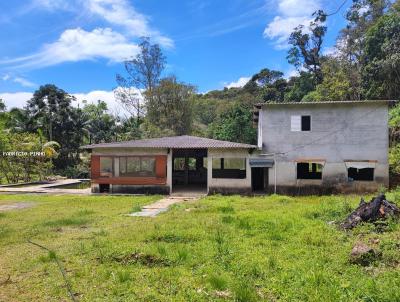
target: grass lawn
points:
(232, 248)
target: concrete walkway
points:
(52, 188)
(162, 205)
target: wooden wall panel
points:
(161, 166)
(95, 167)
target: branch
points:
(62, 271)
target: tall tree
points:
(101, 125)
(381, 71)
(235, 124)
(50, 108)
(306, 46)
(170, 106)
(143, 75)
(351, 41)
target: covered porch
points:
(189, 170)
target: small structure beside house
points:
(324, 147)
(171, 164)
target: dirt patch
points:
(141, 258)
(16, 206)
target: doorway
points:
(189, 170)
(259, 179)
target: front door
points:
(259, 178)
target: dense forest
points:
(364, 64)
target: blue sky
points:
(79, 45)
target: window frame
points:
(352, 179)
(224, 173)
(141, 172)
(312, 175)
(103, 173)
(300, 117)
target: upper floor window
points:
(300, 123)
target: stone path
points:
(162, 205)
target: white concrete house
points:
(324, 147)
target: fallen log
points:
(377, 209)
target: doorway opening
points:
(259, 179)
(189, 170)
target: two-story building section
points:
(323, 147)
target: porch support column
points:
(169, 169)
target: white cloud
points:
(24, 82)
(239, 83)
(281, 27)
(121, 13)
(291, 13)
(15, 99)
(20, 80)
(51, 4)
(77, 45)
(19, 99)
(95, 95)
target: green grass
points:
(273, 248)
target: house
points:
(324, 147)
(170, 164)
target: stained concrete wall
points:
(228, 185)
(339, 132)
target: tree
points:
(350, 44)
(50, 109)
(170, 106)
(20, 121)
(306, 46)
(144, 72)
(268, 85)
(235, 124)
(381, 72)
(335, 85)
(101, 125)
(26, 167)
(298, 87)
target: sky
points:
(80, 45)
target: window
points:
(309, 171)
(229, 168)
(192, 164)
(300, 123)
(106, 166)
(179, 164)
(137, 166)
(366, 174)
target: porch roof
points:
(174, 142)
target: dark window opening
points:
(366, 174)
(229, 168)
(309, 171)
(305, 123)
(104, 188)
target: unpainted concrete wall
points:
(339, 132)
